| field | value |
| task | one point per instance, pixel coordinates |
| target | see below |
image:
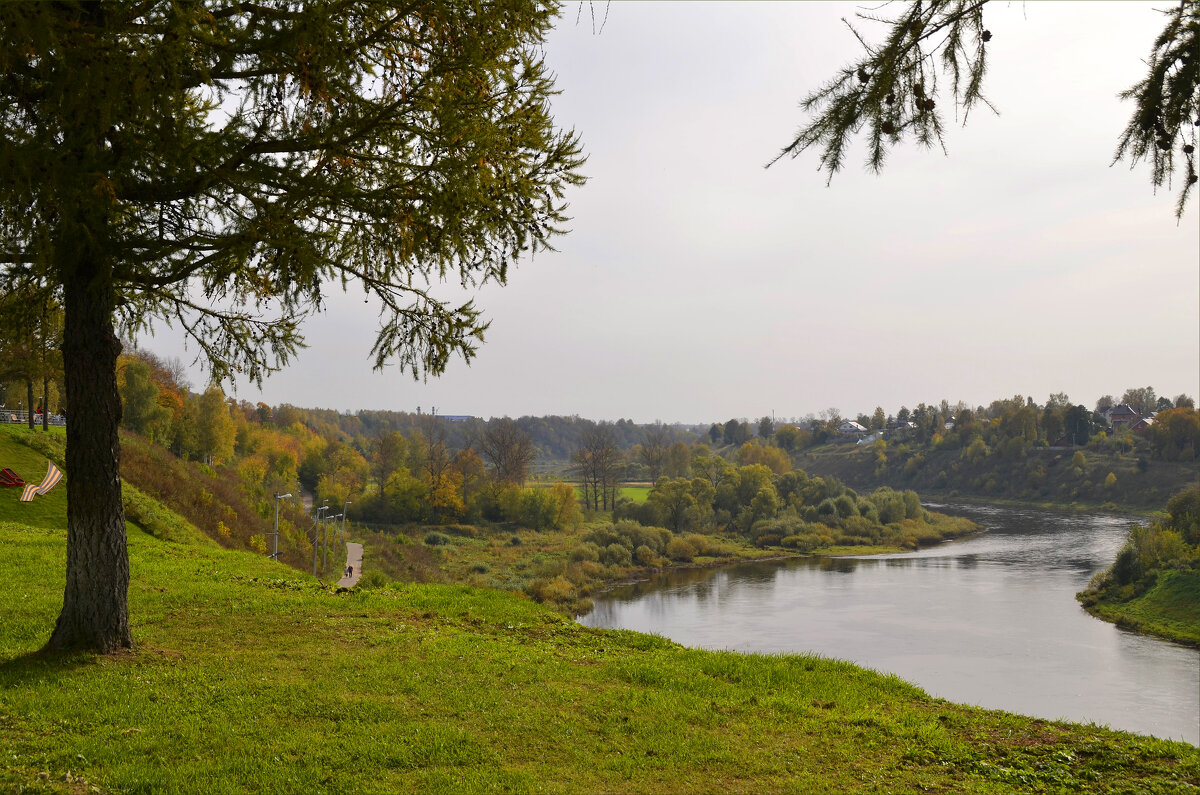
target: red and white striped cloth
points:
(53, 476)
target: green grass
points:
(634, 493)
(50, 510)
(47, 510)
(1170, 609)
(249, 676)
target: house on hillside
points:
(1142, 425)
(1122, 417)
(851, 428)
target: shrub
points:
(634, 535)
(585, 551)
(912, 505)
(768, 540)
(804, 542)
(707, 545)
(782, 526)
(644, 555)
(436, 539)
(556, 589)
(630, 535)
(617, 555)
(1126, 568)
(373, 579)
(681, 550)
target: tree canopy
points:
(221, 167)
(893, 91)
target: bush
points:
(707, 545)
(1126, 568)
(804, 542)
(631, 535)
(373, 579)
(556, 589)
(585, 551)
(436, 539)
(644, 555)
(617, 555)
(681, 550)
(783, 526)
(768, 540)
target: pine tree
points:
(893, 90)
(222, 166)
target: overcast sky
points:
(696, 286)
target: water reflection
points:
(990, 620)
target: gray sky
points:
(696, 286)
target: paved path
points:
(353, 558)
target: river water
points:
(989, 620)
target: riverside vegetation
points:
(251, 676)
(1153, 585)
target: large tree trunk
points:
(95, 613)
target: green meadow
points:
(251, 676)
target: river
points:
(989, 620)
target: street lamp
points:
(278, 497)
(342, 536)
(317, 534)
(325, 537)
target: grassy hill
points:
(250, 676)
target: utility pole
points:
(275, 552)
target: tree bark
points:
(95, 613)
(29, 402)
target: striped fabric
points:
(53, 475)
(30, 490)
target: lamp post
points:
(325, 537)
(342, 535)
(317, 534)
(278, 497)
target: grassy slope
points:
(48, 510)
(250, 677)
(1170, 609)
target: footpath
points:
(354, 564)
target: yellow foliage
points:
(568, 514)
